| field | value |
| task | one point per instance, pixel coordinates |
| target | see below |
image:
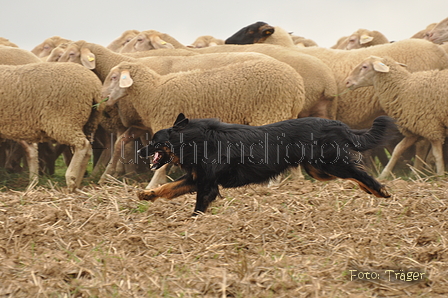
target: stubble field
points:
(302, 239)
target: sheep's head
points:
(79, 52)
(117, 82)
(359, 39)
(254, 33)
(438, 34)
(121, 41)
(44, 49)
(147, 40)
(363, 74)
(57, 53)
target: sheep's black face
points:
(254, 33)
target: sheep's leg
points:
(32, 159)
(437, 151)
(421, 154)
(398, 151)
(126, 137)
(78, 165)
(158, 178)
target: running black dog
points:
(214, 153)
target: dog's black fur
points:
(216, 154)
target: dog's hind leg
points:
(350, 172)
(318, 174)
(171, 190)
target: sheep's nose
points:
(348, 84)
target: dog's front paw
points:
(384, 193)
(147, 195)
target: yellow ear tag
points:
(163, 42)
(91, 59)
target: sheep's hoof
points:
(147, 195)
(71, 184)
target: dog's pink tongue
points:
(156, 157)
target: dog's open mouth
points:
(156, 157)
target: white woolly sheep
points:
(16, 56)
(118, 44)
(51, 101)
(44, 49)
(422, 33)
(300, 41)
(439, 33)
(247, 93)
(101, 60)
(151, 40)
(6, 42)
(416, 53)
(358, 108)
(206, 41)
(56, 53)
(418, 101)
(319, 81)
(362, 38)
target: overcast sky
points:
(28, 23)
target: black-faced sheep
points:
(261, 32)
(247, 93)
(51, 101)
(418, 101)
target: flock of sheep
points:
(141, 81)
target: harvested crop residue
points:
(303, 239)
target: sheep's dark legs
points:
(130, 134)
(398, 151)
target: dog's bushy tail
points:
(383, 129)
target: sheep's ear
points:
(181, 121)
(87, 58)
(159, 43)
(125, 79)
(365, 39)
(380, 66)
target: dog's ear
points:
(181, 121)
